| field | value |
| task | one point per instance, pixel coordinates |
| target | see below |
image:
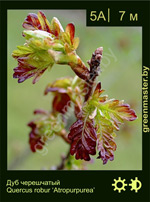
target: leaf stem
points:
(61, 166)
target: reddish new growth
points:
(83, 136)
(98, 118)
(34, 138)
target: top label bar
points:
(116, 14)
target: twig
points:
(62, 164)
(94, 64)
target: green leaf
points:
(22, 51)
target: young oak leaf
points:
(61, 102)
(61, 85)
(83, 139)
(33, 59)
(45, 25)
(56, 28)
(105, 141)
(26, 70)
(70, 35)
(34, 21)
(70, 29)
(107, 115)
(106, 147)
(35, 139)
(43, 128)
(66, 90)
(62, 97)
(40, 22)
(47, 44)
(118, 110)
(113, 110)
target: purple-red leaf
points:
(62, 96)
(70, 29)
(54, 89)
(83, 139)
(34, 21)
(35, 139)
(61, 102)
(106, 147)
(41, 111)
(44, 22)
(107, 115)
(25, 71)
(43, 128)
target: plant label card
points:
(74, 101)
